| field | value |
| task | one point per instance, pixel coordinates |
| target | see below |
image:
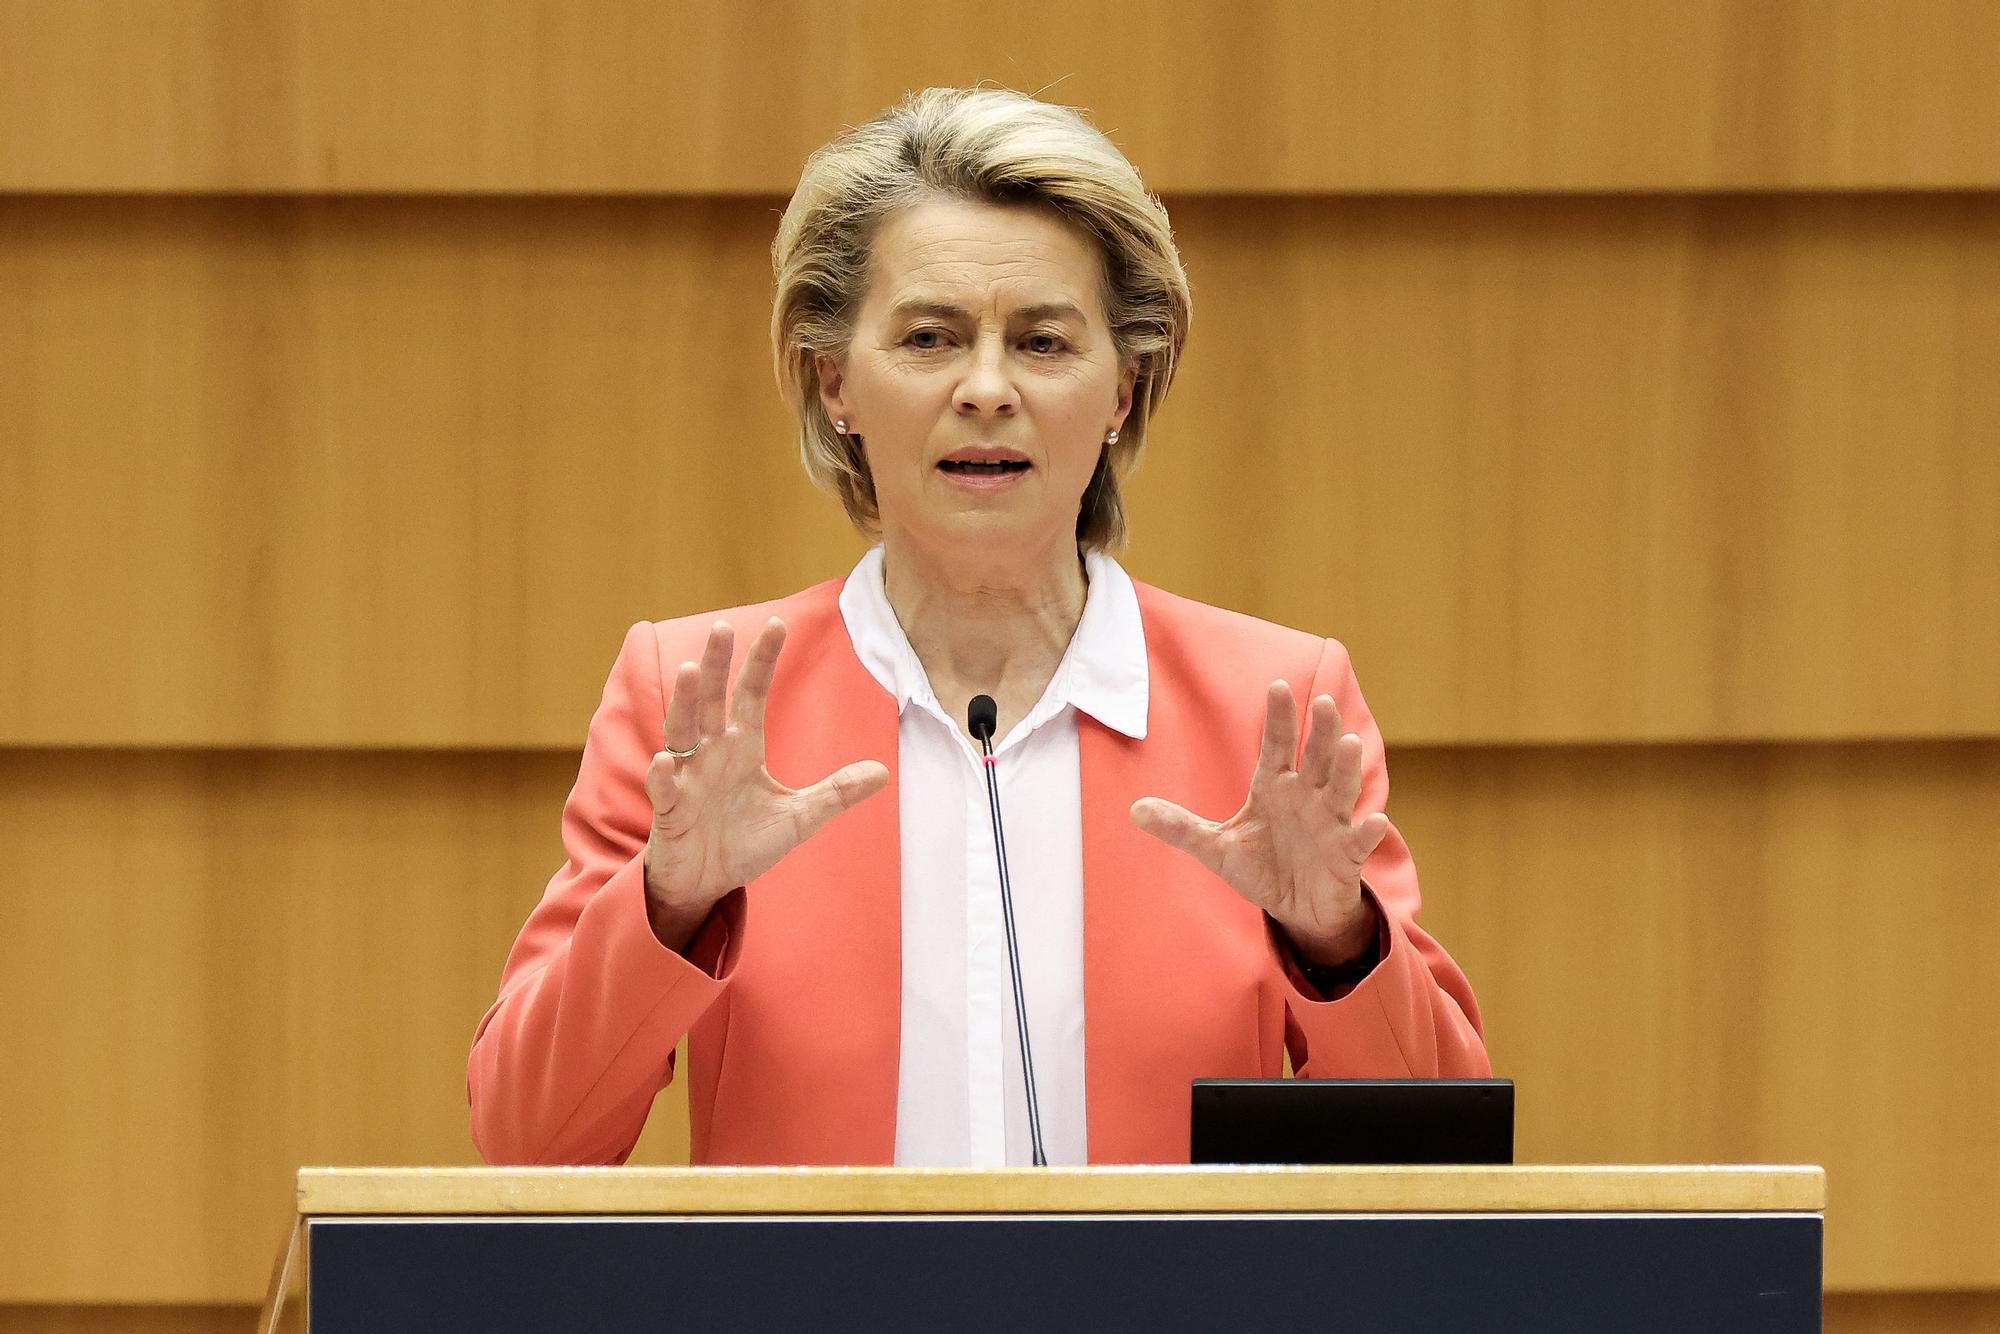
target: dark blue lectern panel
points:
(1717, 1274)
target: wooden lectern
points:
(1543, 1249)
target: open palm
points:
(1294, 849)
(720, 819)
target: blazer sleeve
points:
(1414, 1015)
(565, 1064)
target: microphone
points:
(982, 716)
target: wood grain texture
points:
(1736, 1188)
(354, 473)
(241, 963)
(1603, 470)
(244, 963)
(609, 96)
(1912, 1313)
(326, 419)
(1720, 954)
(191, 1319)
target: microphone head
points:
(982, 716)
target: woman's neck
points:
(986, 626)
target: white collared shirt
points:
(960, 1099)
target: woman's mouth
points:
(985, 468)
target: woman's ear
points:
(1128, 379)
(832, 379)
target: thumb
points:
(1368, 836)
(840, 790)
(1177, 827)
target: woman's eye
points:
(1044, 342)
(915, 335)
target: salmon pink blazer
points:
(791, 994)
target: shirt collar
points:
(1102, 673)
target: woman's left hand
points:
(1294, 849)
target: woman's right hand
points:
(719, 819)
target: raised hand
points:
(719, 819)
(1294, 849)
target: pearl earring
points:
(841, 426)
(1111, 439)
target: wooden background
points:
(1628, 375)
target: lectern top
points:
(1150, 1189)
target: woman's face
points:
(982, 379)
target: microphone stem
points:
(1013, 953)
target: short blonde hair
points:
(982, 145)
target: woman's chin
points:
(990, 528)
(986, 500)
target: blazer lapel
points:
(834, 929)
(1173, 959)
(1129, 950)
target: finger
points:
(753, 683)
(715, 678)
(1343, 786)
(1179, 827)
(683, 728)
(1345, 848)
(840, 790)
(1368, 836)
(1281, 730)
(1316, 765)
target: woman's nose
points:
(988, 386)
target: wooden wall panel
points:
(1742, 954)
(228, 964)
(351, 473)
(355, 472)
(304, 463)
(239, 964)
(1913, 1313)
(1567, 470)
(1301, 96)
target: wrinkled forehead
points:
(948, 255)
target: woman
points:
(979, 310)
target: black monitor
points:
(1353, 1121)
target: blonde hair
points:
(982, 145)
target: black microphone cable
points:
(981, 718)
